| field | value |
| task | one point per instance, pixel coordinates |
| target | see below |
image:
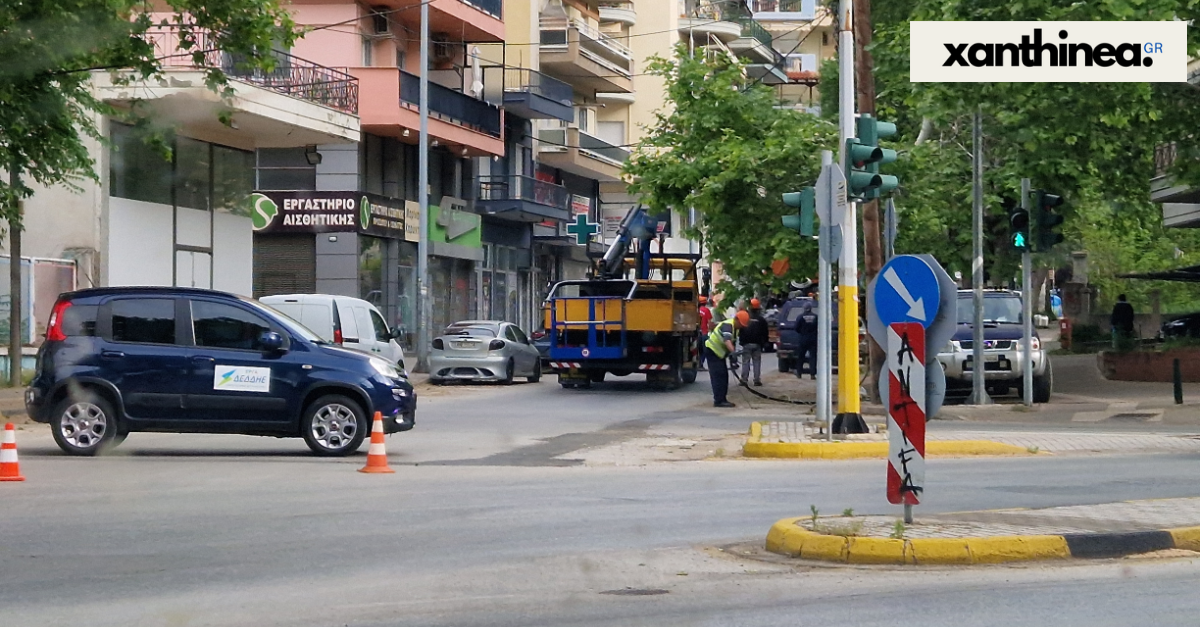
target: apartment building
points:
(802, 33)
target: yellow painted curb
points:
(1185, 537)
(787, 537)
(755, 447)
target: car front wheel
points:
(334, 426)
(85, 424)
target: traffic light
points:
(864, 157)
(1047, 234)
(806, 201)
(1018, 223)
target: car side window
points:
(509, 335)
(143, 320)
(381, 328)
(218, 325)
(520, 335)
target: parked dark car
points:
(787, 351)
(1187, 325)
(121, 360)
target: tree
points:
(721, 147)
(47, 106)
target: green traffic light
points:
(1019, 241)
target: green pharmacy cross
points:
(582, 229)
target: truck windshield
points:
(995, 309)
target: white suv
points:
(1002, 355)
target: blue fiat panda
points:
(180, 360)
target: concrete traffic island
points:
(784, 440)
(995, 536)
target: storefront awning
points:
(1189, 274)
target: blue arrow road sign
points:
(906, 291)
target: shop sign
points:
(322, 212)
(580, 204)
(454, 231)
(412, 221)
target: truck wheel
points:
(1043, 385)
(784, 365)
(689, 375)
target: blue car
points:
(125, 359)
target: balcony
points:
(528, 93)
(620, 11)
(466, 20)
(575, 151)
(389, 107)
(522, 198)
(495, 8)
(291, 76)
(1180, 203)
(709, 18)
(754, 42)
(584, 57)
(784, 10)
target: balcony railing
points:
(524, 80)
(556, 32)
(291, 76)
(752, 29)
(1164, 158)
(517, 187)
(716, 10)
(559, 139)
(494, 7)
(777, 6)
(452, 105)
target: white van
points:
(350, 322)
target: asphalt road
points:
(485, 523)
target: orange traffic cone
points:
(377, 454)
(10, 470)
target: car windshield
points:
(995, 309)
(287, 322)
(474, 331)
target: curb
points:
(787, 537)
(755, 447)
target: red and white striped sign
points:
(654, 367)
(906, 412)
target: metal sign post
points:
(1026, 310)
(979, 395)
(906, 415)
(831, 203)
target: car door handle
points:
(351, 340)
(105, 354)
(202, 359)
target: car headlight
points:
(385, 368)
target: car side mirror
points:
(271, 342)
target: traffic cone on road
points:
(10, 470)
(377, 454)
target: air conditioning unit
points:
(379, 20)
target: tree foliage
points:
(47, 105)
(1091, 142)
(722, 147)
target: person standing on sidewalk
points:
(753, 338)
(1122, 322)
(705, 323)
(719, 345)
(806, 328)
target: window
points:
(139, 170)
(520, 335)
(509, 335)
(995, 309)
(285, 169)
(224, 326)
(381, 329)
(367, 48)
(233, 179)
(79, 320)
(143, 320)
(611, 132)
(192, 185)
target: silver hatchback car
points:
(483, 350)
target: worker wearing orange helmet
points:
(720, 345)
(705, 322)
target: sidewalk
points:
(993, 536)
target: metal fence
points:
(1164, 158)
(291, 75)
(518, 80)
(453, 105)
(517, 187)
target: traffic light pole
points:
(849, 408)
(1027, 310)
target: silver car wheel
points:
(334, 426)
(83, 425)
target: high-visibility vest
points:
(716, 339)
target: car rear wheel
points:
(784, 365)
(537, 372)
(509, 371)
(334, 426)
(85, 424)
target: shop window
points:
(285, 169)
(192, 184)
(370, 269)
(233, 179)
(139, 169)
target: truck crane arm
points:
(637, 224)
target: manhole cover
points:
(636, 592)
(1132, 416)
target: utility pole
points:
(849, 404)
(979, 395)
(1026, 309)
(872, 255)
(423, 293)
(15, 341)
(824, 313)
